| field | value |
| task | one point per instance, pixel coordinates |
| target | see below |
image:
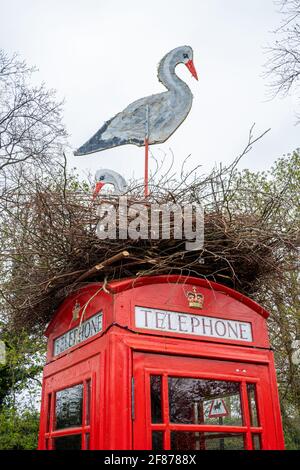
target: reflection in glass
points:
(256, 441)
(48, 412)
(156, 414)
(87, 441)
(157, 440)
(251, 391)
(206, 441)
(69, 407)
(200, 401)
(88, 402)
(72, 442)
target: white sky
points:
(102, 54)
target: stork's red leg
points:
(146, 188)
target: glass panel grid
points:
(49, 412)
(70, 442)
(157, 440)
(187, 440)
(156, 398)
(252, 403)
(68, 407)
(256, 441)
(88, 402)
(204, 401)
(71, 415)
(87, 441)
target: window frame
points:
(179, 368)
(84, 429)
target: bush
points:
(18, 430)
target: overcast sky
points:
(101, 55)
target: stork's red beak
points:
(191, 67)
(98, 187)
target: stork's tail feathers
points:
(96, 143)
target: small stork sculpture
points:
(109, 177)
(152, 119)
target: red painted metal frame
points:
(165, 366)
(112, 357)
(68, 376)
(83, 430)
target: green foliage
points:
(291, 433)
(18, 430)
(25, 355)
(277, 192)
(19, 388)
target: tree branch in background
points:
(30, 118)
(283, 65)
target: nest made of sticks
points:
(56, 249)
(49, 246)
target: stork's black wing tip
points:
(84, 150)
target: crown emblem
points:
(75, 311)
(195, 299)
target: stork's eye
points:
(185, 56)
(101, 178)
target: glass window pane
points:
(69, 407)
(156, 414)
(200, 401)
(87, 441)
(157, 440)
(72, 442)
(251, 390)
(88, 402)
(48, 412)
(256, 441)
(206, 441)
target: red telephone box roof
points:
(115, 287)
(125, 284)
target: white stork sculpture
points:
(152, 119)
(109, 177)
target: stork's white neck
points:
(114, 178)
(167, 76)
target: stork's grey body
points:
(155, 117)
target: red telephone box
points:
(163, 363)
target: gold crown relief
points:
(76, 310)
(195, 299)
